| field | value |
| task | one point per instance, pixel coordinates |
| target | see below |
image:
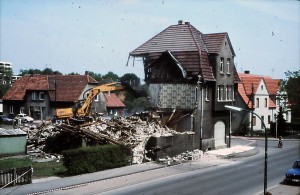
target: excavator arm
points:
(85, 108)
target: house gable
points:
(165, 69)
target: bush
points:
(92, 159)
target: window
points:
(206, 94)
(96, 99)
(33, 95)
(41, 95)
(257, 102)
(261, 87)
(266, 102)
(222, 65)
(219, 92)
(226, 93)
(254, 120)
(269, 118)
(11, 109)
(228, 65)
(22, 110)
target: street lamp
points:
(237, 109)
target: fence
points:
(15, 176)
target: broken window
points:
(222, 65)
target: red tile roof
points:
(189, 46)
(112, 101)
(61, 88)
(245, 88)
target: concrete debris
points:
(181, 158)
(132, 132)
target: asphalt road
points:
(220, 176)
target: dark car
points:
(293, 175)
(5, 119)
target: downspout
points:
(201, 110)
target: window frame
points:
(221, 65)
(228, 65)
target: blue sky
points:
(97, 35)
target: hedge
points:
(96, 158)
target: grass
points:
(40, 169)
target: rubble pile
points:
(36, 138)
(132, 132)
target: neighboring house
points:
(39, 95)
(191, 77)
(260, 94)
(114, 105)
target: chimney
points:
(180, 22)
(247, 71)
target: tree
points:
(5, 78)
(131, 79)
(110, 77)
(96, 76)
(292, 87)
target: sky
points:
(98, 35)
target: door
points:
(219, 131)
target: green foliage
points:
(40, 169)
(96, 76)
(131, 79)
(110, 77)
(3, 89)
(243, 129)
(9, 163)
(92, 159)
(292, 87)
(46, 71)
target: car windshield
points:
(296, 165)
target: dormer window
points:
(222, 65)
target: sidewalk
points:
(51, 184)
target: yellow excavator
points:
(81, 111)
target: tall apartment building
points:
(3, 79)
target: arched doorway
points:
(219, 132)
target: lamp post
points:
(237, 109)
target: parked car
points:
(6, 120)
(24, 118)
(293, 175)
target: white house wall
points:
(263, 110)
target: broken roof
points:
(112, 101)
(65, 88)
(184, 37)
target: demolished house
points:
(191, 77)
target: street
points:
(218, 176)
